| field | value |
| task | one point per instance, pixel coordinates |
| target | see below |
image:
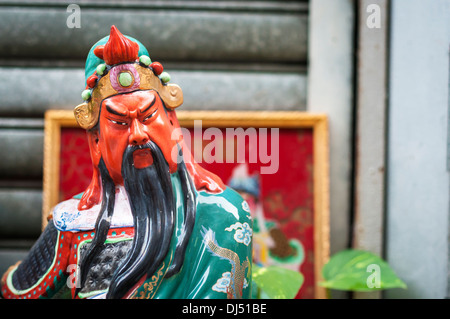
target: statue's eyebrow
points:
(112, 111)
(149, 106)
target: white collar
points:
(67, 217)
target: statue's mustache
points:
(132, 148)
(142, 155)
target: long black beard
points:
(153, 207)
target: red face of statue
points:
(133, 119)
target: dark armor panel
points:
(104, 265)
(38, 261)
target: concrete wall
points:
(418, 175)
(330, 91)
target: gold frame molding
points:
(57, 119)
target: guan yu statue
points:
(152, 223)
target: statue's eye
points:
(118, 122)
(150, 116)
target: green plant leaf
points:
(357, 270)
(277, 282)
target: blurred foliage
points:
(274, 282)
(357, 270)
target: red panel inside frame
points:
(285, 196)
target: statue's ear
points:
(94, 147)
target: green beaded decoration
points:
(86, 95)
(145, 60)
(165, 77)
(125, 79)
(101, 69)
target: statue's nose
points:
(138, 135)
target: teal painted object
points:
(219, 253)
(78, 196)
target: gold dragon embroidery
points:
(150, 287)
(234, 289)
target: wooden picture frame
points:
(57, 120)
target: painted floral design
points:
(65, 219)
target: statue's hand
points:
(92, 194)
(205, 180)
